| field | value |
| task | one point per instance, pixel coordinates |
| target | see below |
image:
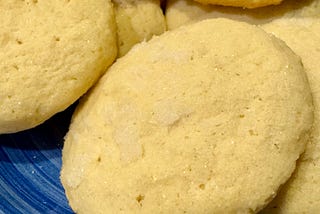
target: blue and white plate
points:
(30, 163)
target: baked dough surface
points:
(302, 193)
(51, 52)
(180, 12)
(241, 3)
(137, 20)
(207, 118)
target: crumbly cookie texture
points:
(207, 118)
(302, 194)
(137, 20)
(180, 12)
(51, 52)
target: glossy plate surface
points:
(30, 163)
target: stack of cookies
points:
(206, 106)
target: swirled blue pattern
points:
(30, 163)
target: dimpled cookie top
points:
(51, 52)
(302, 193)
(208, 118)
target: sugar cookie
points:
(137, 20)
(302, 194)
(51, 52)
(180, 12)
(208, 118)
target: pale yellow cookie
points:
(241, 3)
(51, 52)
(302, 193)
(180, 12)
(209, 118)
(137, 20)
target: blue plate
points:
(30, 163)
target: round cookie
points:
(180, 12)
(302, 194)
(137, 20)
(51, 52)
(241, 3)
(206, 118)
